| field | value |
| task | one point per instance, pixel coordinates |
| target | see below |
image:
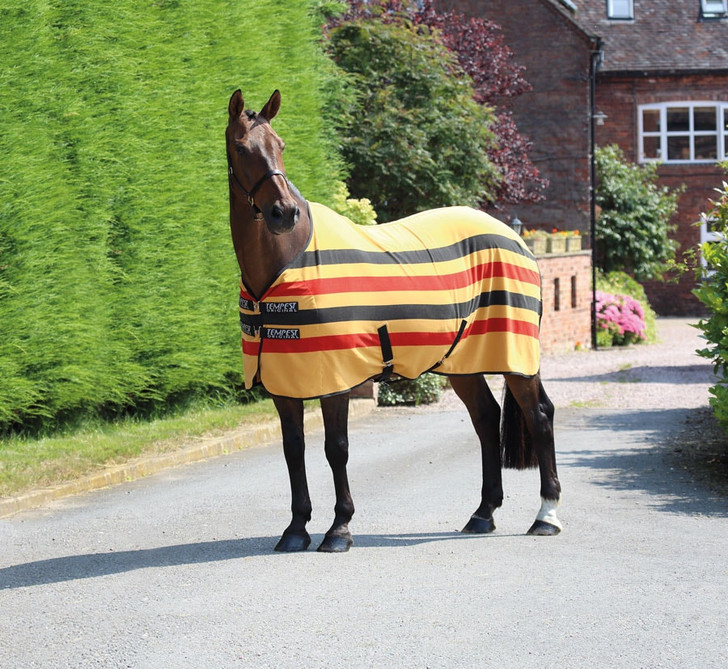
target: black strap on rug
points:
(387, 354)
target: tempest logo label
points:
(280, 307)
(246, 304)
(249, 330)
(282, 333)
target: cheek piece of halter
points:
(250, 194)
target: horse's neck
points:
(261, 254)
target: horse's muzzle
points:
(282, 217)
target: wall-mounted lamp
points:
(516, 225)
(600, 117)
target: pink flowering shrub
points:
(620, 320)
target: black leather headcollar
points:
(250, 194)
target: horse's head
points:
(255, 163)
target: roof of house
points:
(664, 36)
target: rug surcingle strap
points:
(387, 354)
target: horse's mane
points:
(295, 190)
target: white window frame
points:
(714, 8)
(612, 15)
(707, 235)
(721, 132)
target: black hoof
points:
(336, 543)
(293, 542)
(543, 529)
(478, 525)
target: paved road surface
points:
(177, 570)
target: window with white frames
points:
(713, 8)
(620, 9)
(683, 132)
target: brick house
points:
(655, 74)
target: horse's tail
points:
(517, 451)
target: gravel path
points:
(666, 375)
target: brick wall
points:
(566, 287)
(555, 114)
(619, 97)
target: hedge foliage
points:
(117, 277)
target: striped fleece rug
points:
(451, 290)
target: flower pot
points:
(573, 243)
(536, 244)
(557, 244)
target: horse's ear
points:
(236, 106)
(272, 106)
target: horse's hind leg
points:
(538, 413)
(295, 537)
(484, 412)
(335, 411)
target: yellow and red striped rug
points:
(450, 290)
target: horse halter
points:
(250, 194)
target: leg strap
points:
(387, 354)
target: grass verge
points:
(33, 462)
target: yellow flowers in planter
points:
(557, 241)
(536, 240)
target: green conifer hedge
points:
(117, 278)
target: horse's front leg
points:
(335, 411)
(295, 537)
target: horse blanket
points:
(451, 290)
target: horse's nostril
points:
(276, 212)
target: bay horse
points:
(309, 305)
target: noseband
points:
(250, 194)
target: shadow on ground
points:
(92, 565)
(698, 373)
(678, 456)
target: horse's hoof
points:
(543, 529)
(336, 543)
(293, 542)
(478, 525)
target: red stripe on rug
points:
(355, 284)
(363, 340)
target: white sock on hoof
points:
(547, 513)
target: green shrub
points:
(412, 134)
(360, 210)
(427, 389)
(712, 291)
(633, 226)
